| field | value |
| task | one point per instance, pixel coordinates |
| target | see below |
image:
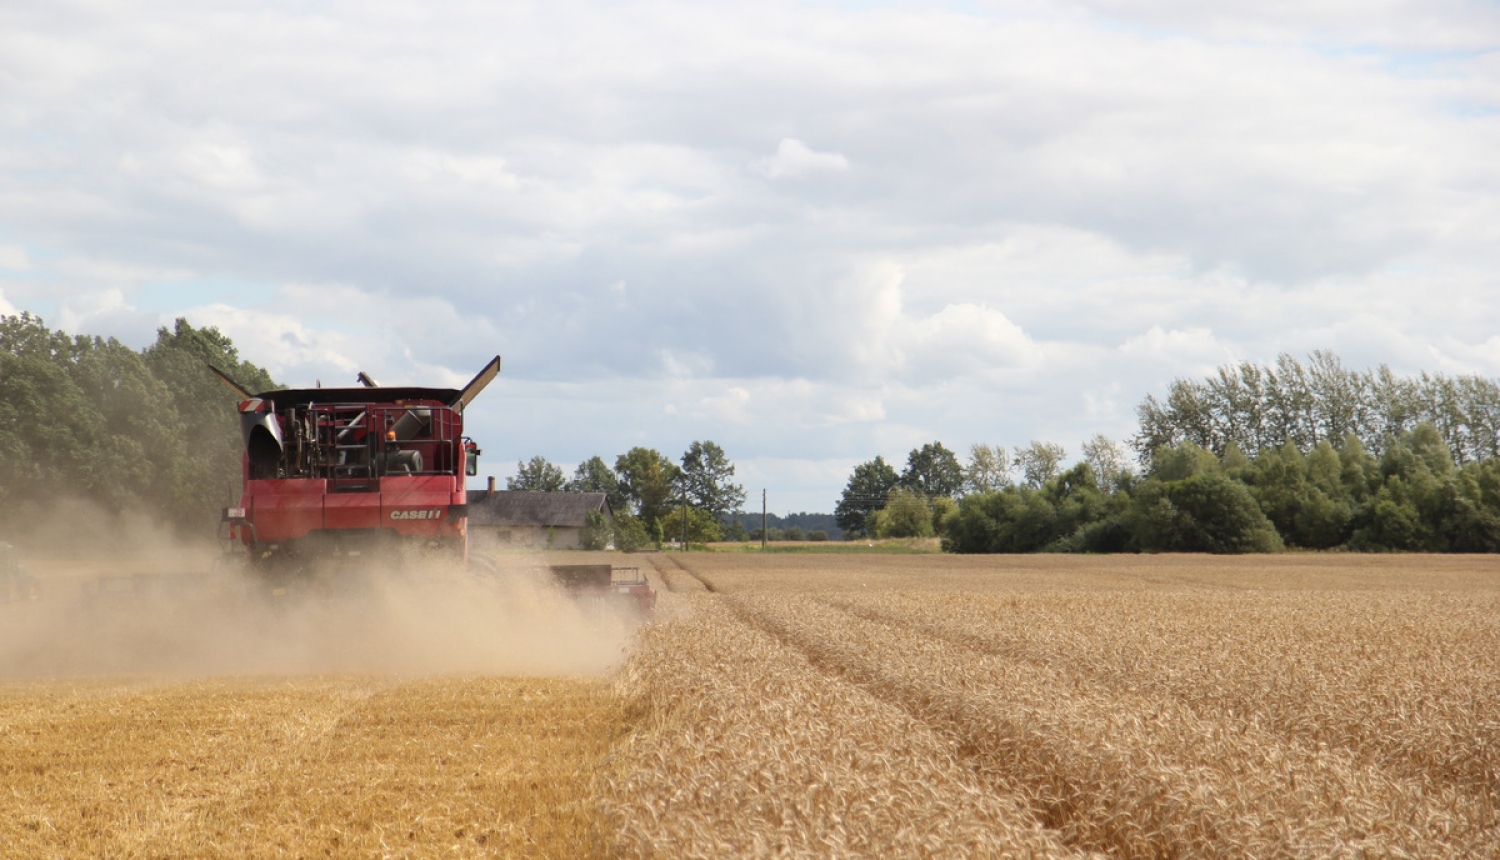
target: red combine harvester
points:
(353, 474)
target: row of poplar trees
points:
(1255, 458)
(88, 418)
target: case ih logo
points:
(433, 514)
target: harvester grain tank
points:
(353, 473)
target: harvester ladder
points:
(349, 462)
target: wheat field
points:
(835, 706)
(1131, 707)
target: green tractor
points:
(15, 583)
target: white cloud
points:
(105, 310)
(1196, 348)
(795, 158)
(964, 339)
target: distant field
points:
(836, 705)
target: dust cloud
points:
(162, 608)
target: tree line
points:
(1252, 459)
(798, 526)
(653, 498)
(89, 417)
(1261, 408)
(880, 502)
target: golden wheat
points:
(1316, 708)
(304, 767)
(746, 750)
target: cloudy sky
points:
(812, 232)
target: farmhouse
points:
(533, 520)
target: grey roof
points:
(531, 508)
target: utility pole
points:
(763, 519)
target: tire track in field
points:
(704, 581)
(664, 572)
(871, 684)
(1129, 775)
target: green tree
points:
(867, 490)
(906, 515)
(88, 416)
(706, 474)
(596, 533)
(1107, 460)
(1393, 523)
(1359, 473)
(1279, 486)
(537, 475)
(206, 408)
(1263, 408)
(988, 469)
(1302, 496)
(143, 457)
(1039, 462)
(630, 533)
(1233, 461)
(1183, 461)
(595, 476)
(1013, 520)
(1201, 513)
(50, 432)
(699, 525)
(734, 530)
(942, 508)
(1067, 514)
(648, 481)
(933, 470)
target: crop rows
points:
(745, 749)
(1178, 721)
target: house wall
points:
(527, 537)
